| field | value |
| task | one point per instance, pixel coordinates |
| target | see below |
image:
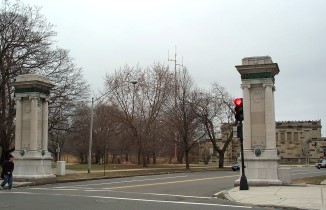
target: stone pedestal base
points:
(262, 170)
(260, 182)
(32, 167)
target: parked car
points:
(236, 167)
(321, 164)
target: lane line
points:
(163, 183)
(159, 194)
(53, 189)
(135, 180)
(317, 172)
(142, 200)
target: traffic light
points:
(238, 109)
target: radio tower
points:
(175, 72)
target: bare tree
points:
(106, 128)
(141, 103)
(26, 46)
(183, 118)
(77, 143)
(215, 111)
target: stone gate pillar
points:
(32, 158)
(260, 153)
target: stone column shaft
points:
(18, 129)
(45, 125)
(247, 117)
(270, 117)
(33, 128)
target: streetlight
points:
(134, 82)
(90, 138)
(89, 159)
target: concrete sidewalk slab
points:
(301, 197)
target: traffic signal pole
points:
(243, 180)
(239, 117)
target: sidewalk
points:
(293, 196)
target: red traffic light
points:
(237, 101)
(238, 109)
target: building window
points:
(296, 136)
(282, 137)
(289, 137)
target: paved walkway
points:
(295, 196)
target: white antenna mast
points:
(175, 72)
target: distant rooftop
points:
(306, 123)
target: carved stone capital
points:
(34, 98)
(268, 85)
(247, 86)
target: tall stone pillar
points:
(260, 153)
(32, 159)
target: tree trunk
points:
(148, 160)
(154, 158)
(127, 157)
(180, 157)
(221, 160)
(113, 158)
(187, 159)
(139, 157)
(144, 160)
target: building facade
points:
(300, 141)
(296, 141)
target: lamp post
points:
(58, 152)
(90, 138)
(134, 82)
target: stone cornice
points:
(258, 71)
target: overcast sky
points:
(212, 36)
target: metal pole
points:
(104, 154)
(243, 179)
(90, 139)
(133, 100)
(58, 152)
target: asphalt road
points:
(170, 191)
(301, 172)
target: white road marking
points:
(110, 183)
(43, 188)
(168, 195)
(172, 182)
(317, 172)
(142, 200)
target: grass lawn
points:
(95, 167)
(98, 170)
(310, 180)
(151, 169)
